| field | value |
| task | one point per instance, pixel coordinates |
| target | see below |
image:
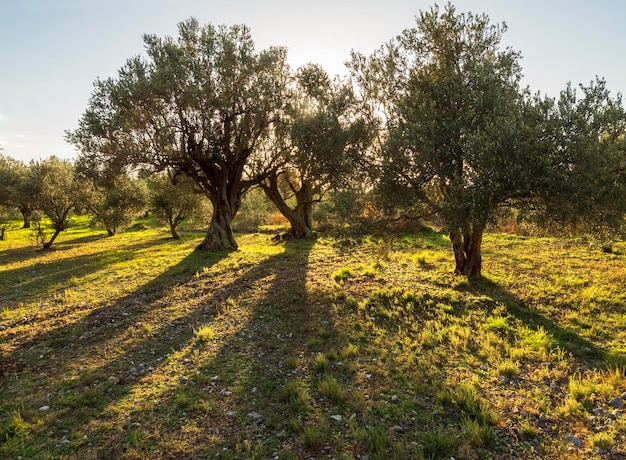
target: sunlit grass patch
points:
(467, 398)
(342, 274)
(15, 429)
(539, 340)
(205, 333)
(508, 368)
(330, 388)
(319, 363)
(603, 440)
(477, 433)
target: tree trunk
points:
(173, 231)
(304, 199)
(48, 243)
(26, 214)
(299, 227)
(467, 255)
(110, 232)
(219, 236)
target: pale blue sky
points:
(52, 50)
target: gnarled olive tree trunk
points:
(467, 246)
(26, 214)
(304, 207)
(219, 236)
(300, 227)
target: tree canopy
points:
(464, 138)
(198, 104)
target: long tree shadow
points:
(267, 330)
(107, 332)
(45, 277)
(271, 320)
(565, 337)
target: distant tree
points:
(4, 221)
(174, 199)
(317, 149)
(15, 189)
(464, 139)
(58, 191)
(198, 105)
(117, 202)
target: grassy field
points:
(350, 346)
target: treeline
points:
(58, 189)
(434, 123)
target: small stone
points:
(255, 415)
(336, 418)
(546, 364)
(599, 412)
(617, 403)
(133, 370)
(554, 386)
(65, 441)
(44, 408)
(114, 380)
(231, 413)
(394, 398)
(397, 429)
(574, 440)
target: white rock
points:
(336, 418)
(44, 408)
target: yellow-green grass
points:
(136, 346)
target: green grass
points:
(136, 346)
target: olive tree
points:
(317, 148)
(58, 192)
(174, 199)
(197, 104)
(464, 138)
(16, 191)
(116, 203)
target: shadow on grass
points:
(45, 278)
(566, 338)
(106, 334)
(245, 376)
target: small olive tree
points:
(175, 199)
(16, 190)
(117, 203)
(316, 150)
(58, 191)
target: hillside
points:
(350, 346)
